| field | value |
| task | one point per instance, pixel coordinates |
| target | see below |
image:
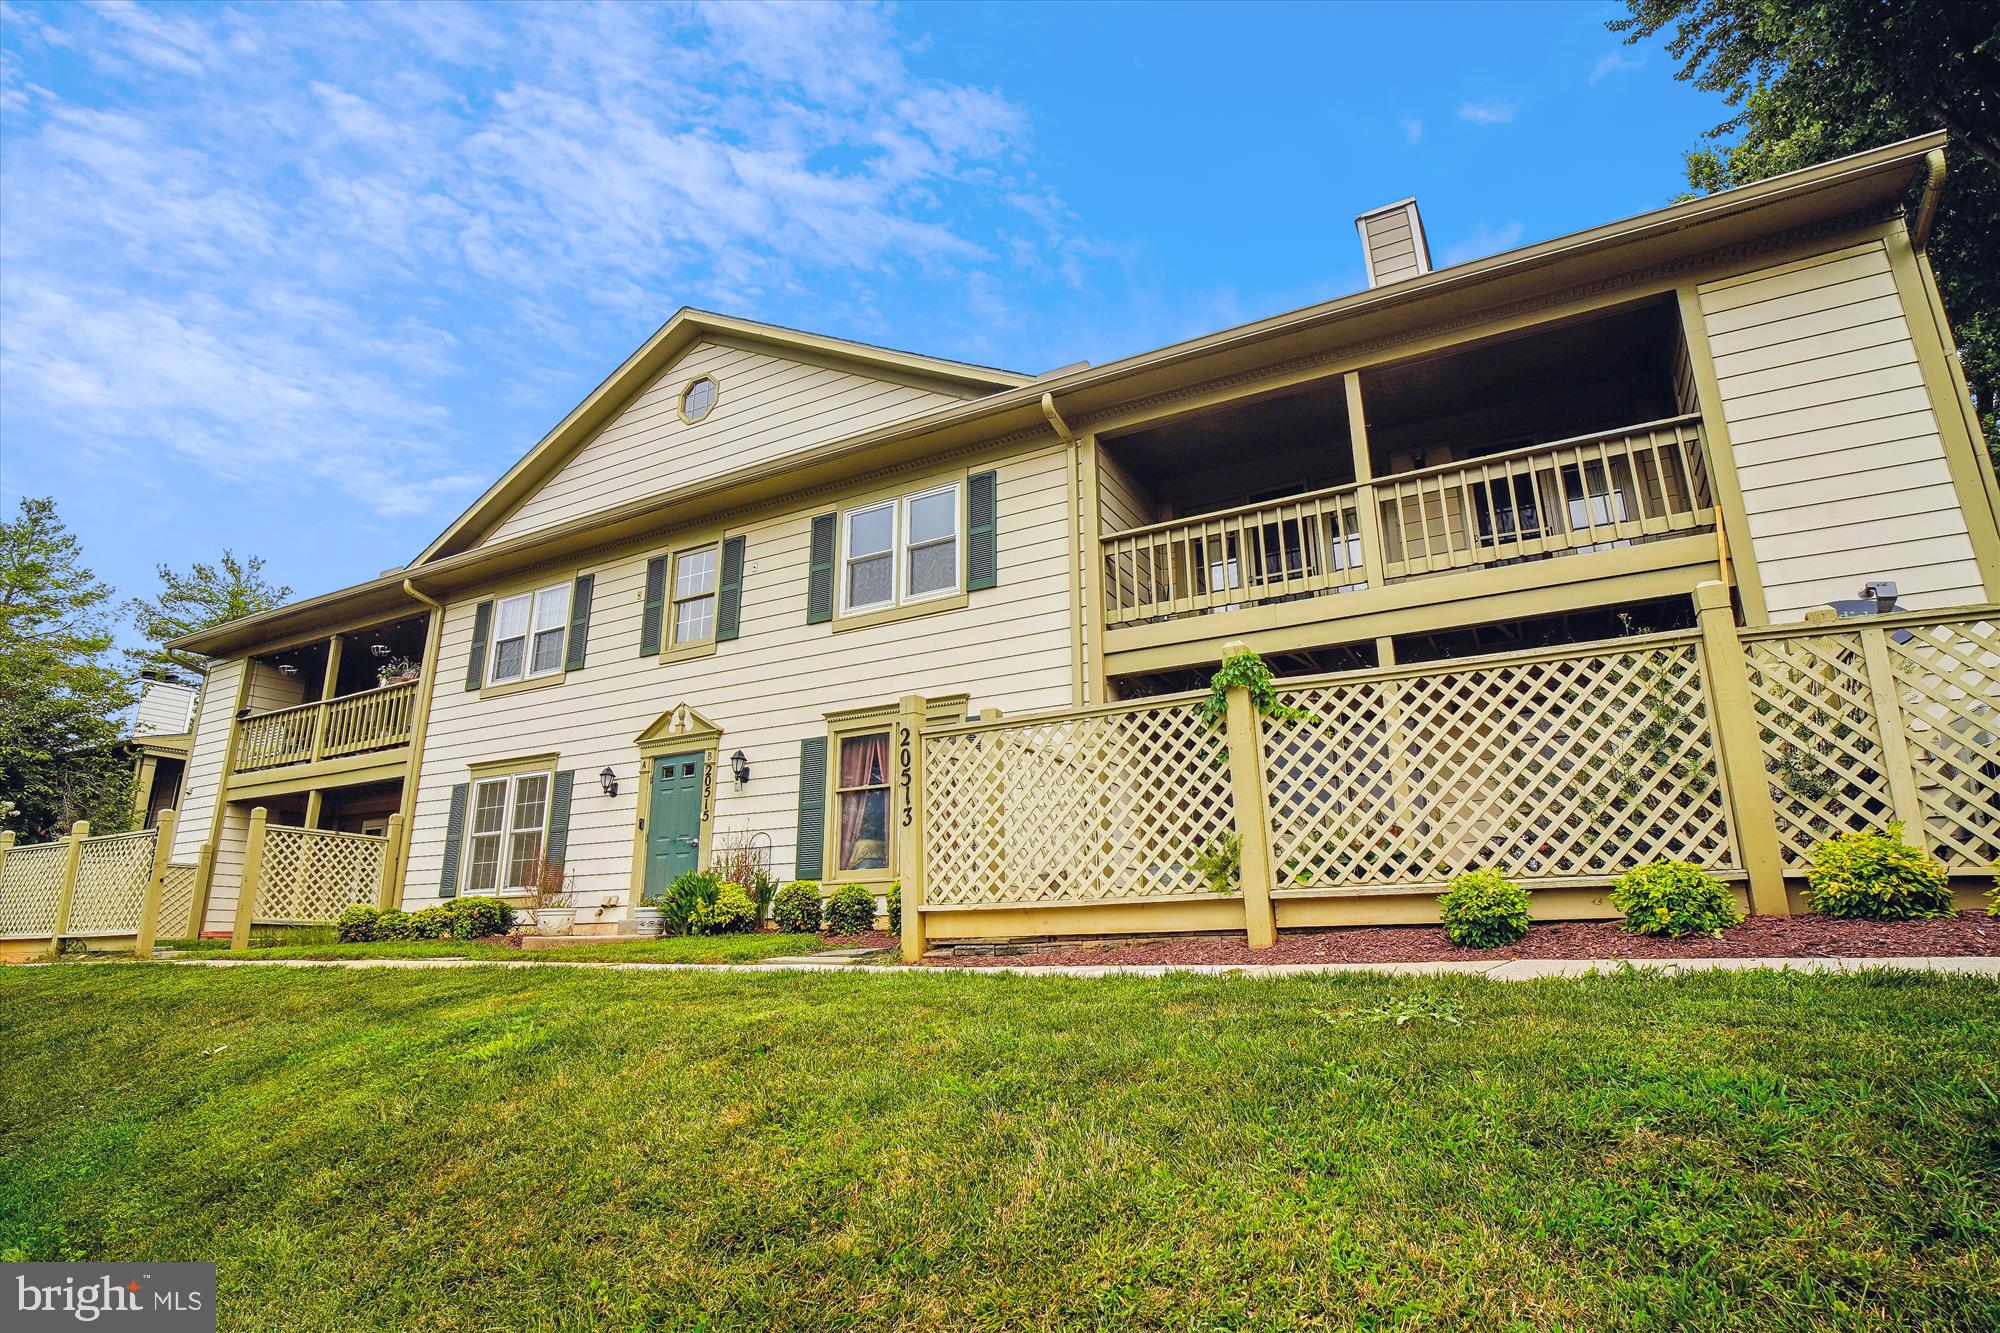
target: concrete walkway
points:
(1520, 969)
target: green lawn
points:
(555, 1148)
(668, 949)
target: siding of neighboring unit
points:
(768, 406)
(1838, 453)
(1392, 247)
(766, 690)
(165, 708)
(207, 750)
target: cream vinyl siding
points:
(165, 708)
(766, 690)
(1843, 472)
(207, 751)
(1123, 503)
(271, 689)
(1391, 246)
(767, 406)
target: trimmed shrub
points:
(1483, 909)
(730, 912)
(1674, 898)
(851, 911)
(895, 905)
(691, 892)
(431, 923)
(476, 918)
(392, 924)
(1877, 876)
(359, 924)
(796, 908)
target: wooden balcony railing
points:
(355, 724)
(1571, 496)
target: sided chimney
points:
(1392, 242)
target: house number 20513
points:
(906, 769)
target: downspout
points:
(1079, 599)
(1927, 207)
(420, 721)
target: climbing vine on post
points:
(1250, 671)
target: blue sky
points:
(303, 280)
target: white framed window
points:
(694, 596)
(529, 631)
(505, 831)
(894, 552)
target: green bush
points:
(431, 923)
(476, 918)
(796, 908)
(392, 924)
(894, 910)
(1674, 898)
(359, 924)
(851, 911)
(691, 893)
(730, 912)
(1877, 876)
(1993, 894)
(1221, 863)
(1483, 909)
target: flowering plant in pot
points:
(396, 671)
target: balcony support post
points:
(1732, 518)
(1367, 513)
(1095, 688)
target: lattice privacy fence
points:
(1553, 768)
(310, 875)
(31, 880)
(1867, 724)
(111, 884)
(1096, 805)
(177, 894)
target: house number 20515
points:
(906, 769)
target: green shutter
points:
(454, 837)
(729, 591)
(656, 602)
(557, 849)
(812, 808)
(982, 551)
(819, 575)
(475, 665)
(579, 621)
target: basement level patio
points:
(1560, 442)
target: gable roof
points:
(688, 326)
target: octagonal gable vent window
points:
(698, 399)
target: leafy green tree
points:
(206, 595)
(1817, 79)
(61, 699)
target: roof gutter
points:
(1933, 193)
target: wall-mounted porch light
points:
(609, 781)
(739, 764)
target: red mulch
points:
(874, 939)
(1757, 937)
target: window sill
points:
(957, 601)
(688, 652)
(517, 686)
(866, 878)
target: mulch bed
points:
(1757, 937)
(874, 939)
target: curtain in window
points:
(864, 813)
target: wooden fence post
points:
(1253, 818)
(390, 893)
(72, 860)
(156, 883)
(910, 713)
(1896, 765)
(253, 871)
(1740, 751)
(6, 841)
(204, 870)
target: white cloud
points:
(266, 243)
(1413, 129)
(1613, 63)
(1489, 112)
(1481, 241)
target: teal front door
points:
(673, 821)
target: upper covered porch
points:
(1551, 444)
(336, 710)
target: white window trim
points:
(714, 594)
(507, 830)
(493, 676)
(899, 550)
